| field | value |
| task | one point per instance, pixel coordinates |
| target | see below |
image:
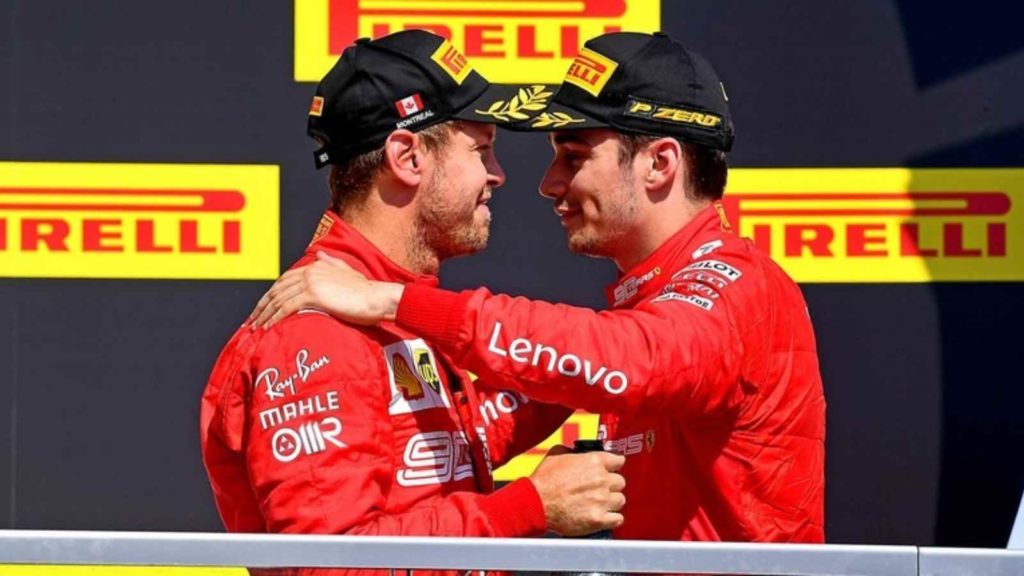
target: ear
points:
(663, 159)
(403, 156)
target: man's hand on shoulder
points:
(331, 285)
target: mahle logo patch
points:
(509, 41)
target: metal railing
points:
(548, 555)
(1017, 532)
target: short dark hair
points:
(350, 181)
(706, 169)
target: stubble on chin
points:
(450, 231)
(617, 222)
(584, 243)
(465, 240)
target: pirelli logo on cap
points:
(316, 108)
(884, 224)
(512, 41)
(669, 114)
(449, 59)
(590, 71)
(66, 220)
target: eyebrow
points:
(487, 140)
(567, 138)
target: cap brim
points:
(507, 104)
(557, 116)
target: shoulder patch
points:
(706, 249)
(700, 283)
(413, 377)
(728, 272)
(702, 303)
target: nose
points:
(495, 174)
(552, 185)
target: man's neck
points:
(660, 224)
(394, 234)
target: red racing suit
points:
(319, 427)
(705, 373)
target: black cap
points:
(642, 84)
(410, 79)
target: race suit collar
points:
(339, 239)
(638, 280)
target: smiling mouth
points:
(568, 216)
(482, 207)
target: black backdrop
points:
(100, 379)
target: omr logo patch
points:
(138, 221)
(884, 224)
(513, 41)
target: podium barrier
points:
(51, 547)
(970, 562)
(1017, 532)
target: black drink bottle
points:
(579, 447)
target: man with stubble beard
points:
(318, 426)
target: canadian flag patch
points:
(409, 105)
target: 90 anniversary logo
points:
(512, 41)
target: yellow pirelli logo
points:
(590, 71)
(515, 41)
(453, 63)
(579, 425)
(316, 108)
(884, 224)
(188, 221)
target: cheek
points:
(469, 170)
(593, 185)
(582, 179)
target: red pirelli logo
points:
(590, 71)
(902, 225)
(105, 231)
(452, 62)
(50, 229)
(316, 108)
(508, 40)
